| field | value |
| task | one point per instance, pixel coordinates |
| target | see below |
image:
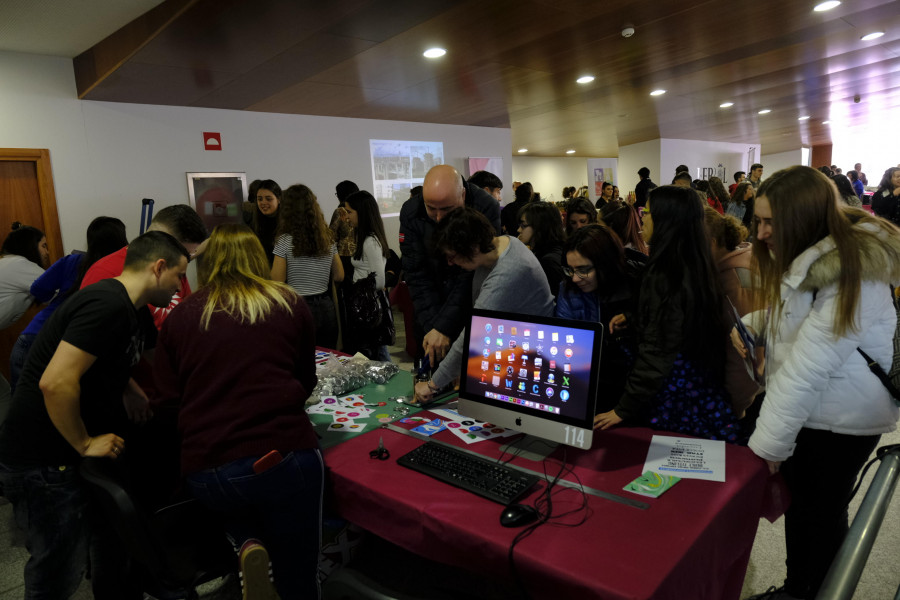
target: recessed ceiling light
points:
(523, 150)
(804, 118)
(825, 122)
(570, 152)
(585, 79)
(434, 53)
(657, 92)
(765, 111)
(726, 105)
(872, 36)
(827, 5)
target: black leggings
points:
(325, 317)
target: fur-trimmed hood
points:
(820, 265)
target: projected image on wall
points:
(399, 166)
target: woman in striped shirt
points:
(306, 259)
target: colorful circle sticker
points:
(342, 419)
(497, 430)
(468, 422)
(355, 426)
(359, 404)
(488, 425)
(336, 426)
(474, 428)
(382, 403)
(484, 433)
(385, 419)
(453, 424)
(381, 416)
(329, 400)
(353, 414)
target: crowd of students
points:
(810, 278)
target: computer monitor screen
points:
(537, 375)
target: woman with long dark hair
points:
(825, 274)
(264, 214)
(23, 258)
(741, 204)
(541, 229)
(886, 199)
(105, 235)
(369, 259)
(248, 450)
(606, 195)
(601, 286)
(624, 220)
(845, 189)
(306, 259)
(677, 381)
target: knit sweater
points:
(234, 403)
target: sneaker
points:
(256, 572)
(773, 593)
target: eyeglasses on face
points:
(523, 225)
(582, 272)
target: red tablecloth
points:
(693, 542)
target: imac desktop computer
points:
(536, 375)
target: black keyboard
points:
(481, 476)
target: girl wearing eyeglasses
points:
(601, 286)
(677, 382)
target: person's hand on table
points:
(423, 393)
(606, 420)
(436, 346)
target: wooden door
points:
(27, 196)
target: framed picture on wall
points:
(217, 197)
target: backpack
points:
(891, 380)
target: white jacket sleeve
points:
(795, 387)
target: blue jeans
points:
(281, 507)
(50, 505)
(17, 358)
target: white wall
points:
(548, 175)
(107, 156)
(780, 160)
(697, 154)
(635, 156)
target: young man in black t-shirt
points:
(69, 404)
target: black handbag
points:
(364, 308)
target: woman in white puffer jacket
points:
(825, 272)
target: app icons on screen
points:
(524, 359)
(553, 350)
(486, 352)
(509, 383)
(499, 341)
(483, 378)
(512, 357)
(564, 395)
(570, 339)
(540, 334)
(487, 340)
(484, 365)
(554, 337)
(509, 370)
(567, 368)
(496, 380)
(487, 327)
(549, 392)
(565, 380)
(527, 333)
(523, 373)
(497, 367)
(498, 355)
(512, 331)
(552, 364)
(512, 343)
(537, 375)
(551, 378)
(499, 328)
(526, 346)
(521, 386)
(538, 361)
(535, 389)
(569, 353)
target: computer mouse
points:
(518, 515)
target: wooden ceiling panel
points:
(512, 63)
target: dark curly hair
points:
(464, 231)
(24, 240)
(301, 219)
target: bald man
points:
(440, 292)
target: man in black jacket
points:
(642, 189)
(440, 293)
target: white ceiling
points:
(64, 27)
